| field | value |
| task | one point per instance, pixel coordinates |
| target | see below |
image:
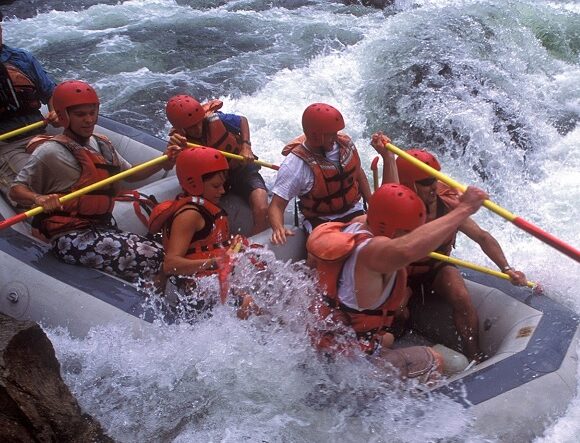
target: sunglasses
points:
(427, 181)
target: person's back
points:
(372, 284)
(205, 125)
(24, 86)
(443, 279)
(81, 231)
(322, 168)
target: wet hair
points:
(1, 16)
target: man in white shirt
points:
(323, 168)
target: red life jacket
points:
(215, 133)
(447, 199)
(208, 243)
(335, 189)
(94, 208)
(25, 91)
(329, 247)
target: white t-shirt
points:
(295, 178)
(346, 285)
(52, 169)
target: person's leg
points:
(123, 254)
(419, 362)
(249, 184)
(449, 284)
(259, 206)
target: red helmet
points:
(392, 207)
(184, 111)
(72, 93)
(320, 118)
(193, 164)
(409, 173)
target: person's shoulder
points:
(22, 53)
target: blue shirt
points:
(45, 85)
(232, 122)
(26, 62)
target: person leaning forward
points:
(368, 288)
(81, 231)
(323, 168)
(205, 125)
(24, 86)
(427, 276)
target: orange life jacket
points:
(208, 243)
(335, 189)
(447, 199)
(25, 91)
(94, 208)
(215, 133)
(329, 247)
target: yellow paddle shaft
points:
(449, 181)
(100, 184)
(475, 267)
(22, 130)
(237, 157)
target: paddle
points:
(120, 176)
(14, 133)
(238, 157)
(530, 228)
(475, 267)
(374, 168)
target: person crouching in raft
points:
(196, 234)
(362, 269)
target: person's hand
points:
(49, 202)
(246, 152)
(378, 141)
(473, 198)
(177, 137)
(517, 278)
(172, 151)
(279, 235)
(52, 119)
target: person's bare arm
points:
(276, 218)
(385, 256)
(390, 172)
(26, 197)
(490, 246)
(184, 226)
(363, 185)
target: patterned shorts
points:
(123, 254)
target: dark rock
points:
(35, 403)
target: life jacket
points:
(329, 247)
(18, 93)
(208, 243)
(215, 132)
(335, 189)
(143, 204)
(447, 199)
(92, 209)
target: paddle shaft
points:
(530, 228)
(120, 176)
(237, 157)
(475, 267)
(14, 133)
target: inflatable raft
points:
(532, 341)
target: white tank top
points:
(346, 284)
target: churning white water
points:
(491, 86)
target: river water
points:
(490, 86)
